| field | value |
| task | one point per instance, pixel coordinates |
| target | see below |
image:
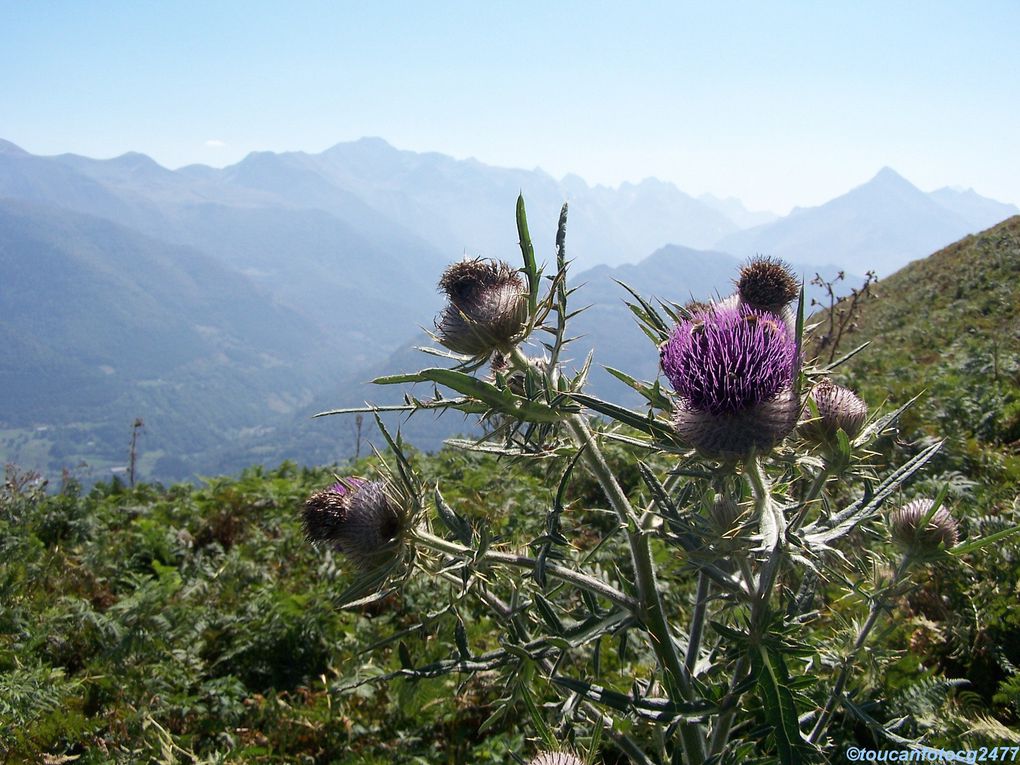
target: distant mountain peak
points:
(136, 161)
(888, 176)
(6, 147)
(369, 143)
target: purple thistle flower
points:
(356, 517)
(732, 369)
(726, 361)
(346, 485)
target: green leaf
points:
(528, 251)
(660, 709)
(405, 655)
(548, 614)
(844, 522)
(651, 320)
(977, 544)
(457, 525)
(778, 705)
(460, 636)
(536, 716)
(847, 356)
(680, 522)
(799, 335)
(879, 426)
(649, 424)
(499, 399)
(653, 393)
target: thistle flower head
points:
(555, 758)
(732, 369)
(356, 517)
(486, 310)
(941, 530)
(838, 408)
(767, 284)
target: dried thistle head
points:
(555, 758)
(356, 517)
(732, 370)
(838, 408)
(940, 532)
(767, 284)
(486, 309)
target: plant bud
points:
(767, 284)
(732, 369)
(486, 310)
(356, 517)
(838, 408)
(724, 513)
(941, 530)
(555, 758)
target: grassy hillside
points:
(948, 328)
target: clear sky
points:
(779, 104)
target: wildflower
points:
(940, 532)
(767, 284)
(487, 308)
(732, 370)
(838, 408)
(555, 758)
(356, 517)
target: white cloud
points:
(215, 143)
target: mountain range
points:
(224, 306)
(879, 226)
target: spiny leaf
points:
(645, 423)
(651, 392)
(457, 525)
(499, 399)
(528, 251)
(778, 705)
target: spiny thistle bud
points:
(356, 517)
(724, 513)
(838, 408)
(487, 308)
(940, 530)
(767, 284)
(555, 758)
(732, 370)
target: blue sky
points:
(779, 104)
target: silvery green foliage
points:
(690, 631)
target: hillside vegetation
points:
(948, 328)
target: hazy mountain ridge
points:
(881, 225)
(226, 306)
(102, 324)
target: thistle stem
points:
(877, 606)
(651, 611)
(569, 576)
(812, 494)
(501, 609)
(650, 608)
(760, 596)
(723, 725)
(697, 621)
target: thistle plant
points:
(715, 618)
